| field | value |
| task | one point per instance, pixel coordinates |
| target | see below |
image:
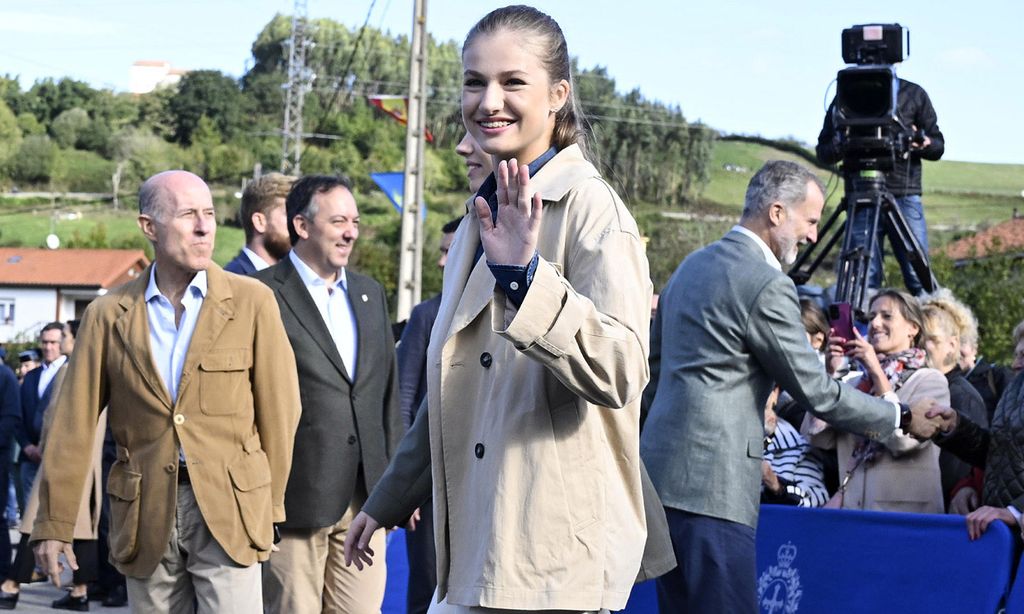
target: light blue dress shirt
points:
(336, 310)
(168, 342)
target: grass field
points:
(959, 196)
(30, 230)
(956, 194)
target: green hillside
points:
(956, 194)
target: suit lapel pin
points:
(365, 299)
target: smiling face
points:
(508, 99)
(478, 163)
(795, 225)
(327, 239)
(889, 330)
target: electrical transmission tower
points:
(411, 251)
(300, 78)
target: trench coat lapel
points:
(215, 313)
(296, 296)
(466, 273)
(133, 328)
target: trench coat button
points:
(514, 285)
(351, 440)
(486, 360)
(170, 467)
(179, 418)
(479, 450)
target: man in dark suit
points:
(715, 356)
(412, 385)
(35, 397)
(263, 219)
(10, 421)
(338, 325)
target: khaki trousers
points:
(195, 569)
(446, 608)
(308, 573)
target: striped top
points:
(797, 465)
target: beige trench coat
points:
(88, 522)
(905, 477)
(534, 413)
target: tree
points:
(10, 133)
(68, 126)
(49, 98)
(208, 93)
(29, 125)
(34, 161)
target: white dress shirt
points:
(48, 373)
(168, 341)
(336, 310)
(256, 261)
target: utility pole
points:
(299, 80)
(410, 254)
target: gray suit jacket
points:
(345, 426)
(727, 329)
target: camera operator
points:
(915, 112)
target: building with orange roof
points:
(1007, 237)
(42, 285)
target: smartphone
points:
(840, 320)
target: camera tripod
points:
(864, 191)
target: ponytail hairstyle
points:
(571, 127)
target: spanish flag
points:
(397, 107)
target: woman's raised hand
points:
(513, 239)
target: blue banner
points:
(837, 561)
(818, 560)
(393, 185)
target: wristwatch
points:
(906, 417)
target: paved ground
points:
(37, 597)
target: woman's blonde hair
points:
(950, 313)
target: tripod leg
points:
(911, 252)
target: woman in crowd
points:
(998, 450)
(901, 474)
(947, 321)
(537, 359)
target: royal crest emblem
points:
(778, 588)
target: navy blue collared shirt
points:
(514, 279)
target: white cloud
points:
(965, 57)
(41, 23)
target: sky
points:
(749, 67)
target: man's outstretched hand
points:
(357, 541)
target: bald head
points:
(159, 192)
(177, 215)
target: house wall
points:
(33, 308)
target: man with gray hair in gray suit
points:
(727, 330)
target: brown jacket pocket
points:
(124, 487)
(250, 477)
